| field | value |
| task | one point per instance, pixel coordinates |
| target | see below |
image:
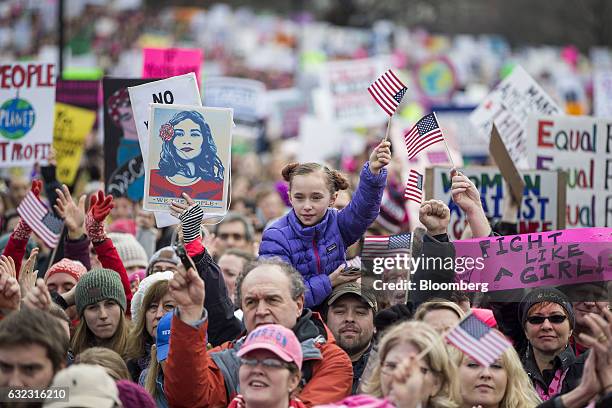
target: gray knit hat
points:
(130, 251)
(97, 285)
(545, 294)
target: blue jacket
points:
(317, 251)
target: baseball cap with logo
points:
(275, 338)
(162, 342)
(355, 289)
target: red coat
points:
(192, 379)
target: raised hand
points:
(407, 384)
(380, 157)
(27, 274)
(435, 216)
(467, 197)
(601, 345)
(7, 266)
(191, 215)
(22, 230)
(338, 278)
(39, 297)
(73, 214)
(10, 296)
(187, 289)
(100, 206)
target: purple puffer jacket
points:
(317, 251)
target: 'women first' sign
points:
(27, 101)
(189, 152)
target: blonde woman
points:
(440, 314)
(504, 384)
(101, 304)
(396, 370)
(107, 359)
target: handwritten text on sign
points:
(582, 146)
(551, 258)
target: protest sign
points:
(436, 79)
(346, 99)
(189, 152)
(182, 90)
(123, 166)
(602, 93)
(509, 106)
(245, 96)
(582, 146)
(541, 206)
(506, 165)
(27, 97)
(553, 258)
(72, 124)
(287, 106)
(169, 62)
(81, 93)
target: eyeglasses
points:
(266, 362)
(554, 319)
(388, 367)
(235, 236)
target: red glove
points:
(22, 230)
(99, 208)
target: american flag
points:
(378, 246)
(425, 133)
(414, 188)
(388, 92)
(42, 221)
(477, 340)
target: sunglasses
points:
(554, 319)
(266, 362)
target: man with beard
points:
(350, 317)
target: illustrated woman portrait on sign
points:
(184, 154)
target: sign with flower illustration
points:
(189, 152)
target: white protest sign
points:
(582, 146)
(27, 112)
(345, 86)
(509, 106)
(245, 96)
(602, 93)
(182, 89)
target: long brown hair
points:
(139, 336)
(150, 382)
(84, 338)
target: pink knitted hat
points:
(68, 266)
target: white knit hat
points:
(144, 285)
(129, 249)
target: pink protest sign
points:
(169, 62)
(552, 258)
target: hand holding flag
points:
(380, 157)
(39, 218)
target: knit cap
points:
(129, 249)
(144, 285)
(133, 395)
(67, 266)
(165, 254)
(540, 295)
(97, 285)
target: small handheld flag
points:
(42, 221)
(379, 246)
(388, 92)
(477, 340)
(414, 187)
(423, 134)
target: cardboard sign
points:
(345, 98)
(182, 90)
(80, 93)
(509, 105)
(189, 152)
(582, 146)
(553, 258)
(602, 93)
(123, 166)
(27, 98)
(169, 62)
(542, 203)
(245, 96)
(506, 165)
(72, 124)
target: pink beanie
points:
(68, 266)
(133, 395)
(486, 316)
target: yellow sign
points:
(72, 124)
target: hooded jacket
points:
(195, 377)
(317, 250)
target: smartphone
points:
(353, 270)
(185, 259)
